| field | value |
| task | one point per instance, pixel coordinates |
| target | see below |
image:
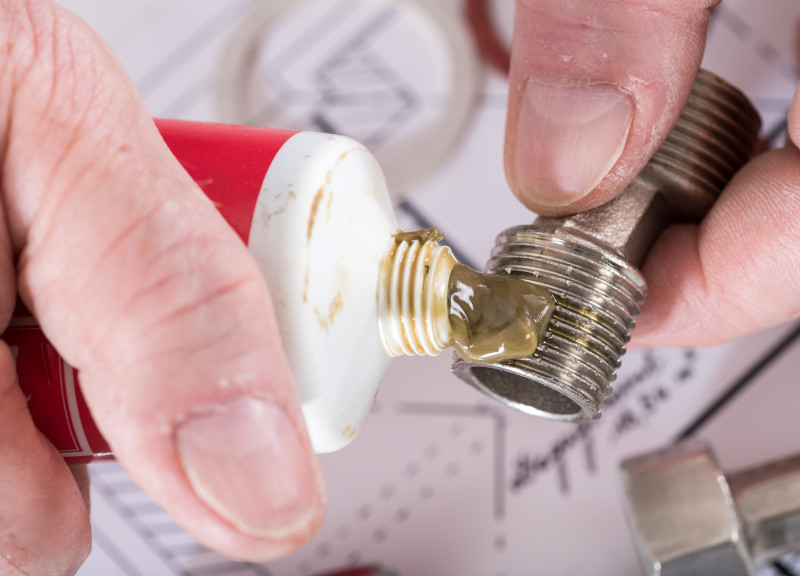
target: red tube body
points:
(229, 164)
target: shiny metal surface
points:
(682, 514)
(690, 519)
(598, 295)
(768, 499)
(589, 261)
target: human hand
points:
(594, 90)
(140, 284)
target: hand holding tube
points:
(139, 283)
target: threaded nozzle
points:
(412, 298)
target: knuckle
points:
(43, 44)
(18, 32)
(53, 71)
(13, 557)
(187, 293)
(72, 542)
(28, 27)
(81, 549)
(61, 555)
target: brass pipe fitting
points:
(589, 261)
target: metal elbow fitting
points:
(589, 261)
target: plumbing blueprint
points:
(442, 480)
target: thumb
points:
(595, 87)
(138, 283)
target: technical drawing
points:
(441, 480)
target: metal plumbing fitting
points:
(689, 518)
(590, 261)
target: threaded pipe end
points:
(598, 297)
(711, 141)
(412, 298)
(598, 293)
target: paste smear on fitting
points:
(428, 302)
(494, 317)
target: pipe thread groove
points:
(598, 298)
(412, 298)
(598, 292)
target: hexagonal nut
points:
(682, 513)
(768, 500)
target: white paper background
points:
(434, 482)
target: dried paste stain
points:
(321, 191)
(333, 309)
(430, 235)
(328, 206)
(312, 216)
(279, 205)
(203, 184)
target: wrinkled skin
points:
(139, 283)
(620, 72)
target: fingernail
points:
(568, 138)
(246, 461)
